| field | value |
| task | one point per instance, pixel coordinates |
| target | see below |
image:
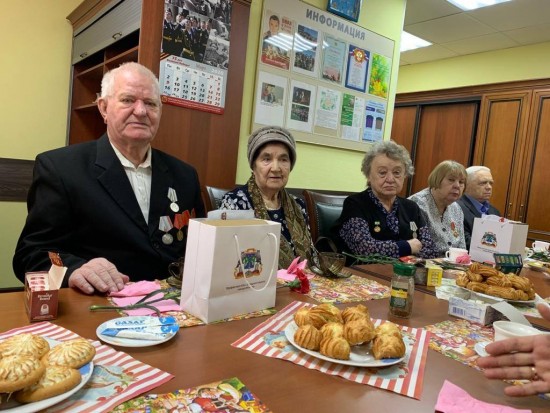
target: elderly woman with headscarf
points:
(377, 221)
(445, 217)
(272, 155)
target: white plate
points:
(14, 407)
(493, 297)
(480, 348)
(360, 356)
(129, 342)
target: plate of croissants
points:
(347, 337)
(490, 282)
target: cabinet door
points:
(502, 128)
(446, 131)
(403, 132)
(534, 201)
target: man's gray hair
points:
(393, 151)
(108, 81)
(473, 170)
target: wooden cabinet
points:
(510, 123)
(111, 32)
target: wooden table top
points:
(203, 354)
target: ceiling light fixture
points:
(475, 4)
(410, 42)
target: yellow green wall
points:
(518, 63)
(35, 74)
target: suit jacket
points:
(471, 212)
(81, 204)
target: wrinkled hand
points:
(416, 246)
(519, 359)
(98, 274)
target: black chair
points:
(323, 210)
(212, 197)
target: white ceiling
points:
(454, 32)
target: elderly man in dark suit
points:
(475, 201)
(114, 209)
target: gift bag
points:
(230, 267)
(492, 234)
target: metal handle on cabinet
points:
(521, 212)
(509, 210)
(117, 35)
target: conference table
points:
(203, 354)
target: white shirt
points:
(140, 179)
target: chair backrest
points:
(212, 197)
(323, 210)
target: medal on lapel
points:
(454, 230)
(376, 226)
(414, 228)
(173, 197)
(165, 225)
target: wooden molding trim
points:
(15, 179)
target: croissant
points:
(332, 329)
(388, 329)
(335, 347)
(503, 292)
(520, 283)
(462, 280)
(359, 331)
(388, 347)
(355, 313)
(301, 317)
(477, 287)
(499, 281)
(308, 337)
(472, 276)
(487, 271)
(324, 313)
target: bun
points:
(355, 313)
(18, 372)
(24, 344)
(332, 329)
(72, 353)
(359, 331)
(323, 314)
(56, 380)
(335, 347)
(388, 329)
(301, 317)
(308, 337)
(388, 347)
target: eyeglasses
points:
(397, 174)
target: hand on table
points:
(98, 274)
(522, 358)
(415, 245)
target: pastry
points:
(388, 347)
(462, 280)
(520, 283)
(332, 329)
(72, 353)
(355, 313)
(324, 313)
(486, 271)
(359, 331)
(478, 287)
(308, 337)
(502, 292)
(24, 344)
(56, 380)
(18, 372)
(472, 276)
(499, 281)
(301, 317)
(336, 348)
(388, 329)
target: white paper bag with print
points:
(492, 234)
(230, 267)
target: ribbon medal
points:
(173, 197)
(165, 225)
(376, 226)
(454, 230)
(414, 228)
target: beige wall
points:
(35, 72)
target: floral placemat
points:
(346, 290)
(117, 377)
(229, 395)
(406, 378)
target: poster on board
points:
(334, 58)
(358, 66)
(306, 51)
(375, 117)
(270, 99)
(327, 108)
(379, 82)
(300, 115)
(277, 40)
(352, 117)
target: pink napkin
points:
(290, 273)
(453, 399)
(134, 292)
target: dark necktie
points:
(484, 209)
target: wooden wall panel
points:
(15, 179)
(446, 131)
(403, 132)
(502, 120)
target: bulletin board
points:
(321, 76)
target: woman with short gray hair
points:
(377, 220)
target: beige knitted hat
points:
(269, 134)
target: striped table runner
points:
(117, 377)
(404, 378)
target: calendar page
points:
(194, 58)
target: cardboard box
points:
(483, 310)
(491, 236)
(42, 291)
(434, 275)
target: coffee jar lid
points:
(401, 268)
